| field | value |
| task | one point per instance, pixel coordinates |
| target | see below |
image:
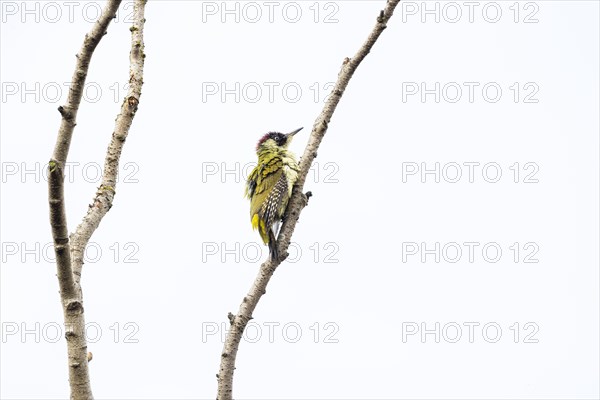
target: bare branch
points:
(70, 297)
(68, 266)
(297, 202)
(69, 110)
(106, 192)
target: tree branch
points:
(68, 266)
(297, 202)
(70, 297)
(106, 192)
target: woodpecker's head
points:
(274, 140)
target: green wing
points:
(262, 180)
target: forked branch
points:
(69, 258)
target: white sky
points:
(344, 320)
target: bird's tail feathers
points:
(273, 246)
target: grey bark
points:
(69, 259)
(297, 203)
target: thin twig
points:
(68, 267)
(296, 204)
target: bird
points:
(269, 185)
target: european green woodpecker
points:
(270, 185)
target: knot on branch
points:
(60, 249)
(60, 242)
(74, 307)
(121, 137)
(65, 113)
(242, 321)
(306, 197)
(231, 317)
(133, 102)
(70, 333)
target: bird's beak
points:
(294, 132)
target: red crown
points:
(263, 139)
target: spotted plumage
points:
(270, 185)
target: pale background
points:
(182, 216)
